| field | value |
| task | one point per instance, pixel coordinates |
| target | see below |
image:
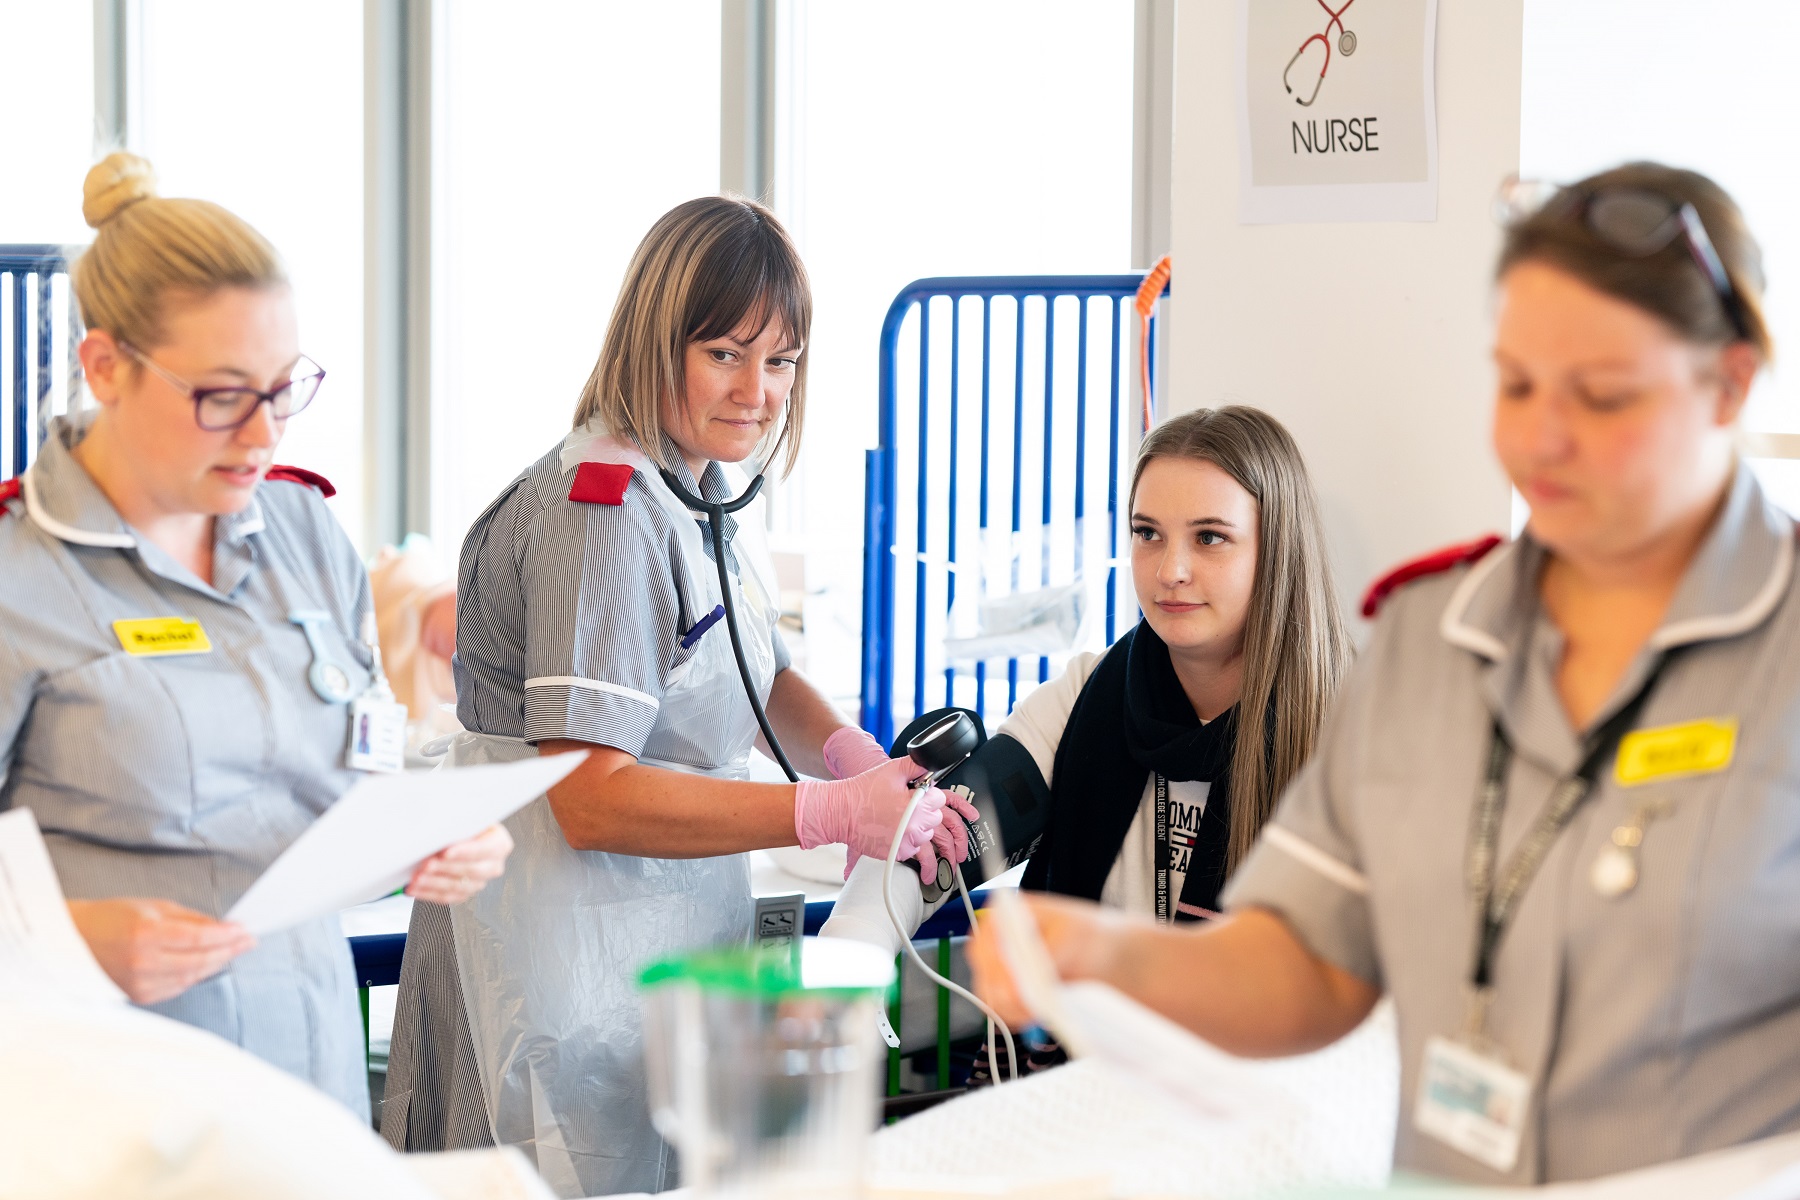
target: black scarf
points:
(1132, 718)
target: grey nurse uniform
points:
(181, 776)
(1655, 1011)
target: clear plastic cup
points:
(763, 1065)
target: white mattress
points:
(1089, 1119)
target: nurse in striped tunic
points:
(589, 618)
(155, 709)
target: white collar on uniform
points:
(593, 442)
(1738, 577)
(63, 498)
(65, 502)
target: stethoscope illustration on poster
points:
(1336, 110)
(1344, 39)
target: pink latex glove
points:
(862, 811)
(851, 751)
(951, 840)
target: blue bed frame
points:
(952, 408)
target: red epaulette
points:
(1435, 563)
(8, 490)
(311, 479)
(601, 483)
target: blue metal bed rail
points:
(378, 955)
(1004, 450)
(39, 329)
(378, 958)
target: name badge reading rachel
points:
(153, 637)
(1692, 748)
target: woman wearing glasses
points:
(163, 711)
(1554, 811)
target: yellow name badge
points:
(153, 637)
(1693, 748)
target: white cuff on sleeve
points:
(1346, 877)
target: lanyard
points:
(1164, 852)
(1499, 898)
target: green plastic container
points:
(762, 1065)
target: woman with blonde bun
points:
(180, 636)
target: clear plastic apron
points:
(549, 953)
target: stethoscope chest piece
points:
(940, 886)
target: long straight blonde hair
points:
(1296, 647)
(707, 268)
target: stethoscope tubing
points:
(715, 514)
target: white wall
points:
(1370, 341)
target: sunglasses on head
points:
(1637, 222)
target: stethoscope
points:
(715, 519)
(1346, 45)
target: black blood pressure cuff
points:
(1003, 782)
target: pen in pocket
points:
(701, 626)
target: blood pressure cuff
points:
(1003, 782)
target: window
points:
(570, 128)
(931, 138)
(49, 94)
(51, 97)
(259, 108)
(1697, 86)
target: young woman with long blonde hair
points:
(1165, 753)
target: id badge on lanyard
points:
(376, 740)
(377, 734)
(377, 720)
(1472, 1097)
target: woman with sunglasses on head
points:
(1554, 810)
(169, 724)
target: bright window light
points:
(936, 137)
(1703, 86)
(258, 107)
(47, 88)
(570, 127)
(50, 97)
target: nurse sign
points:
(1335, 110)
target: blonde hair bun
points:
(123, 280)
(114, 184)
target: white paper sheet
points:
(1095, 1021)
(41, 954)
(368, 843)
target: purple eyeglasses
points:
(221, 408)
